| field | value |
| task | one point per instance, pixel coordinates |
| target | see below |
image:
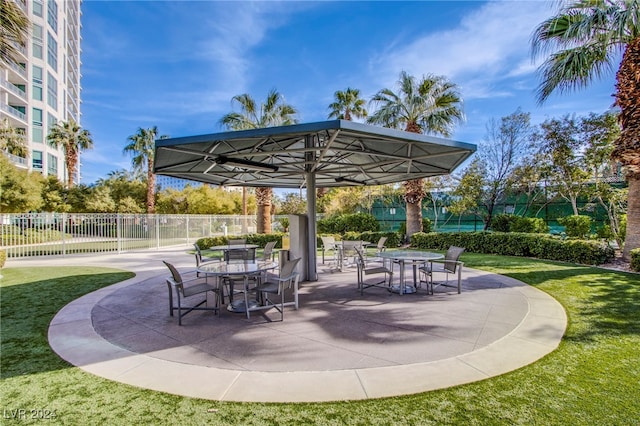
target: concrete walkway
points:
(338, 346)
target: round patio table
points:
(243, 269)
(402, 257)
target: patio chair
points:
(328, 244)
(240, 254)
(200, 260)
(364, 270)
(349, 251)
(237, 242)
(449, 265)
(277, 285)
(185, 289)
(380, 247)
(268, 253)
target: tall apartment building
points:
(43, 88)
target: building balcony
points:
(17, 73)
(19, 162)
(15, 93)
(14, 113)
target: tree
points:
(601, 131)
(73, 139)
(273, 112)
(560, 142)
(293, 204)
(141, 146)
(12, 140)
(347, 104)
(585, 38)
(20, 190)
(100, 200)
(54, 195)
(13, 31)
(502, 151)
(467, 194)
(128, 190)
(429, 105)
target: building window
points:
(52, 91)
(37, 41)
(37, 75)
(36, 135)
(37, 125)
(52, 51)
(37, 117)
(52, 15)
(37, 8)
(52, 165)
(37, 93)
(36, 161)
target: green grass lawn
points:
(593, 378)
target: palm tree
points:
(72, 138)
(141, 146)
(12, 140)
(13, 31)
(273, 112)
(347, 104)
(430, 105)
(584, 39)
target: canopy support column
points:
(313, 241)
(310, 178)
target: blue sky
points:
(176, 65)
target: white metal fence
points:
(42, 234)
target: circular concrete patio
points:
(338, 346)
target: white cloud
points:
(479, 51)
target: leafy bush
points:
(259, 239)
(576, 226)
(393, 238)
(531, 225)
(426, 225)
(501, 222)
(513, 223)
(3, 258)
(623, 227)
(635, 260)
(341, 224)
(604, 233)
(518, 244)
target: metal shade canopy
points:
(337, 153)
(323, 154)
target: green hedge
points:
(393, 238)
(260, 240)
(518, 244)
(635, 260)
(355, 222)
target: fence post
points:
(64, 234)
(157, 232)
(119, 232)
(187, 230)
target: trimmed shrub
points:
(513, 223)
(635, 260)
(259, 239)
(518, 244)
(501, 222)
(531, 225)
(393, 238)
(576, 226)
(426, 225)
(341, 224)
(3, 258)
